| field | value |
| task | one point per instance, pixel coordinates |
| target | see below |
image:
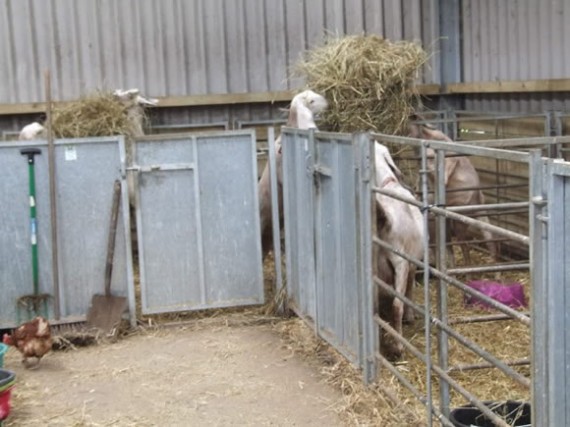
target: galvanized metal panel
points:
(15, 249)
(176, 47)
(86, 170)
(198, 222)
(298, 212)
(336, 245)
(326, 251)
(551, 380)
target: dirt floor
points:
(220, 375)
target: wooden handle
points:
(111, 239)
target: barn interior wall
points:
(179, 48)
(204, 47)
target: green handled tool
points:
(32, 303)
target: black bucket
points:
(514, 413)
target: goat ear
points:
(141, 100)
(126, 95)
(450, 166)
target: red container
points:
(7, 380)
(5, 403)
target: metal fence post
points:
(554, 380)
(427, 306)
(442, 286)
(275, 217)
(538, 256)
(363, 192)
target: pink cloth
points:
(511, 294)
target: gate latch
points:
(320, 170)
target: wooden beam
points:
(523, 86)
(171, 101)
(505, 86)
(226, 99)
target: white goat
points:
(459, 173)
(302, 111)
(134, 103)
(401, 225)
(32, 131)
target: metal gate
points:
(551, 304)
(327, 230)
(198, 221)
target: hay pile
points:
(96, 114)
(367, 80)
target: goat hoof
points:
(409, 317)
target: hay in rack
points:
(368, 81)
(97, 114)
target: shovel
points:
(107, 310)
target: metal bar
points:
(455, 147)
(474, 366)
(287, 201)
(199, 234)
(480, 319)
(451, 280)
(443, 327)
(516, 315)
(366, 221)
(311, 161)
(443, 375)
(427, 329)
(473, 242)
(541, 415)
(461, 218)
(163, 167)
(126, 211)
(275, 219)
(485, 187)
(482, 225)
(493, 206)
(498, 213)
(489, 268)
(406, 383)
(441, 238)
(509, 175)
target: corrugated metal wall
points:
(194, 47)
(516, 40)
(183, 47)
(179, 47)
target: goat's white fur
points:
(32, 131)
(304, 106)
(403, 229)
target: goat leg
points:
(409, 314)
(401, 270)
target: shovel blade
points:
(106, 312)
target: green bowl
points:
(3, 349)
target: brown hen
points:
(32, 339)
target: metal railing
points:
(438, 321)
